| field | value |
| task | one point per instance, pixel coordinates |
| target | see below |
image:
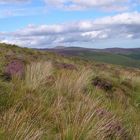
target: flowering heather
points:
(15, 67)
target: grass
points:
(50, 103)
(37, 74)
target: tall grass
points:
(63, 110)
(18, 126)
(37, 73)
(73, 81)
(74, 115)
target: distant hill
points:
(59, 47)
(126, 57)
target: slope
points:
(46, 96)
(124, 57)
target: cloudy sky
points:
(85, 23)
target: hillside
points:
(119, 56)
(47, 96)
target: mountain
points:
(47, 96)
(119, 56)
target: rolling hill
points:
(47, 96)
(119, 56)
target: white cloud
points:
(124, 18)
(12, 12)
(14, 8)
(118, 5)
(121, 26)
(13, 1)
(95, 34)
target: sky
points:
(84, 23)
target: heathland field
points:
(48, 96)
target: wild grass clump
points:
(73, 81)
(16, 125)
(37, 73)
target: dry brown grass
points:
(73, 81)
(18, 126)
(37, 73)
(64, 110)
